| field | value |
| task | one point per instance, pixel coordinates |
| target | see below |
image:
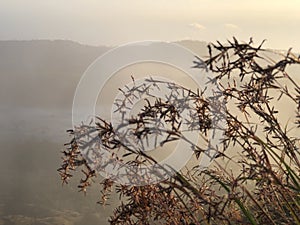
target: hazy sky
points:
(113, 22)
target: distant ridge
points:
(45, 73)
(42, 73)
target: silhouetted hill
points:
(42, 73)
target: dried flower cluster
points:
(258, 184)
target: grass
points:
(259, 184)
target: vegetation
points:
(255, 176)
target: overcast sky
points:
(114, 22)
